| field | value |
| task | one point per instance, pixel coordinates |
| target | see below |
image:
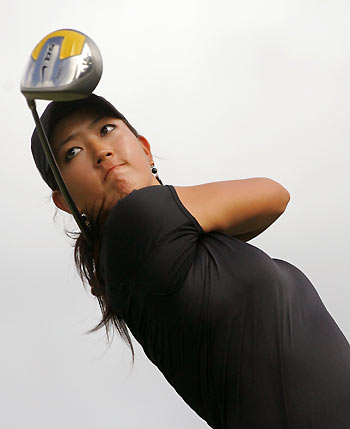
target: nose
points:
(102, 154)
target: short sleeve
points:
(149, 238)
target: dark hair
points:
(86, 259)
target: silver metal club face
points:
(64, 65)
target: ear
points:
(146, 146)
(60, 202)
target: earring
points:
(155, 172)
(85, 219)
(153, 168)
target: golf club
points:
(65, 65)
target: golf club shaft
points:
(56, 172)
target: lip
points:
(110, 169)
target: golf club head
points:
(65, 65)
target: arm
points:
(250, 235)
(235, 207)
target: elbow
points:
(284, 205)
(283, 196)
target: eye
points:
(71, 153)
(107, 129)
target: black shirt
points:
(243, 338)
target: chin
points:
(122, 188)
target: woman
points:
(242, 337)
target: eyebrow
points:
(72, 136)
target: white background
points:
(222, 90)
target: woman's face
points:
(99, 157)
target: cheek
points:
(83, 186)
(128, 148)
(136, 156)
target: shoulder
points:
(138, 201)
(131, 229)
(150, 202)
(148, 224)
(146, 211)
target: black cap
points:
(58, 110)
